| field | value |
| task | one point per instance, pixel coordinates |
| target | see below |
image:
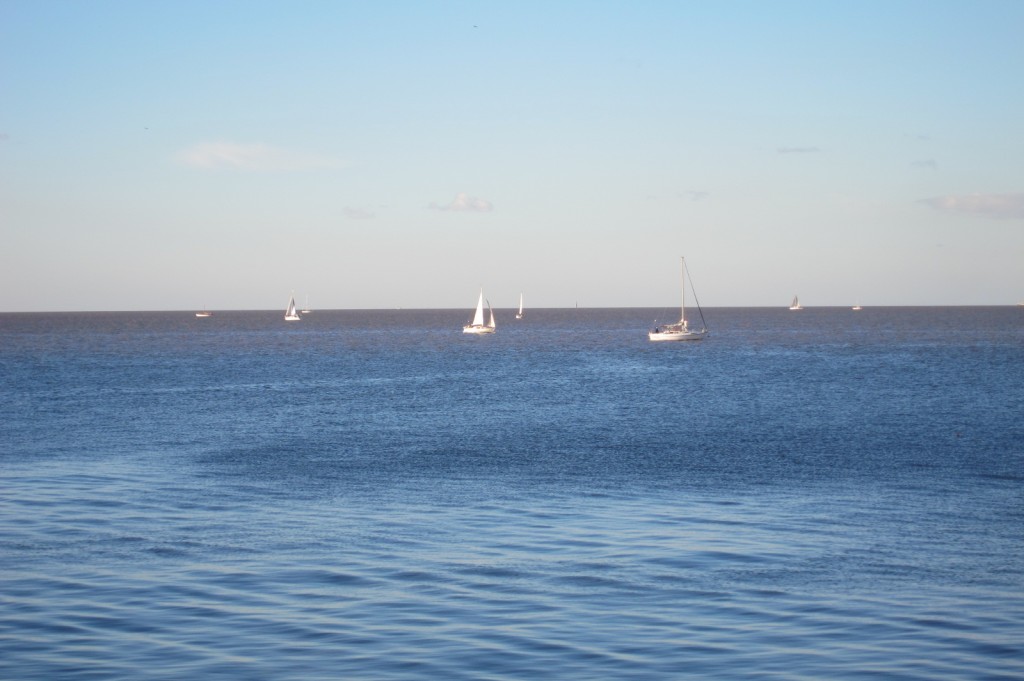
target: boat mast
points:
(682, 288)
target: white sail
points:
(519, 315)
(491, 324)
(290, 315)
(478, 318)
(478, 326)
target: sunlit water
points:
(815, 494)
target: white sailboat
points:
(202, 314)
(857, 307)
(290, 314)
(796, 304)
(307, 309)
(477, 325)
(680, 331)
(519, 315)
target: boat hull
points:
(477, 329)
(676, 335)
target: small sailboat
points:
(307, 309)
(290, 314)
(202, 314)
(857, 307)
(680, 331)
(519, 315)
(796, 304)
(477, 325)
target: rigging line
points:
(690, 279)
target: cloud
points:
(798, 150)
(694, 195)
(996, 206)
(254, 157)
(926, 163)
(465, 202)
(358, 213)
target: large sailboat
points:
(477, 325)
(519, 315)
(796, 304)
(290, 314)
(680, 331)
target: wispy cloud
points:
(465, 202)
(254, 157)
(798, 150)
(694, 195)
(358, 213)
(996, 206)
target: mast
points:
(682, 288)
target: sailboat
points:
(796, 304)
(857, 307)
(290, 315)
(477, 325)
(202, 314)
(680, 331)
(519, 315)
(307, 309)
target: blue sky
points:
(176, 155)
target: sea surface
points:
(823, 494)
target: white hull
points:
(677, 335)
(204, 314)
(477, 329)
(293, 318)
(797, 307)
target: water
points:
(816, 494)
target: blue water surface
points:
(374, 495)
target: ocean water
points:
(374, 495)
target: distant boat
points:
(680, 331)
(204, 313)
(477, 325)
(857, 307)
(796, 304)
(519, 315)
(307, 309)
(290, 315)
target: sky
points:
(178, 155)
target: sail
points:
(491, 324)
(520, 304)
(478, 318)
(290, 315)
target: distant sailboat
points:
(204, 313)
(477, 325)
(519, 315)
(796, 304)
(857, 307)
(290, 315)
(680, 331)
(307, 309)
